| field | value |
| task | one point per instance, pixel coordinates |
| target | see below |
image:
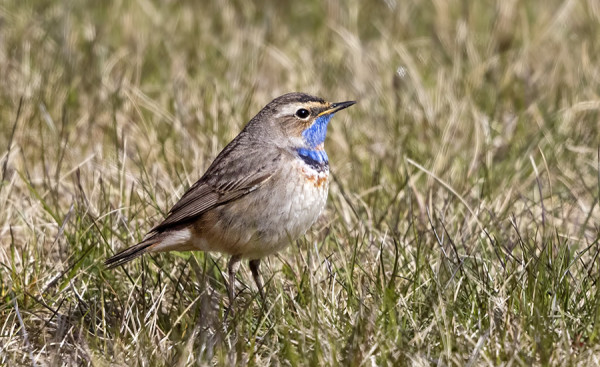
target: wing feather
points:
(219, 185)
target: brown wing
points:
(230, 177)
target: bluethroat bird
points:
(264, 190)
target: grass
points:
(462, 226)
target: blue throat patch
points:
(315, 135)
(313, 156)
(316, 159)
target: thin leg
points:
(254, 265)
(234, 264)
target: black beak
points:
(341, 105)
(335, 107)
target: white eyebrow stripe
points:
(291, 109)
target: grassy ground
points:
(462, 226)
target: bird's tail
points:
(132, 252)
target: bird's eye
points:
(302, 113)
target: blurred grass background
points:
(462, 226)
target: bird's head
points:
(303, 120)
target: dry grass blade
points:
(485, 252)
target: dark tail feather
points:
(131, 253)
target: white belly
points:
(271, 217)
